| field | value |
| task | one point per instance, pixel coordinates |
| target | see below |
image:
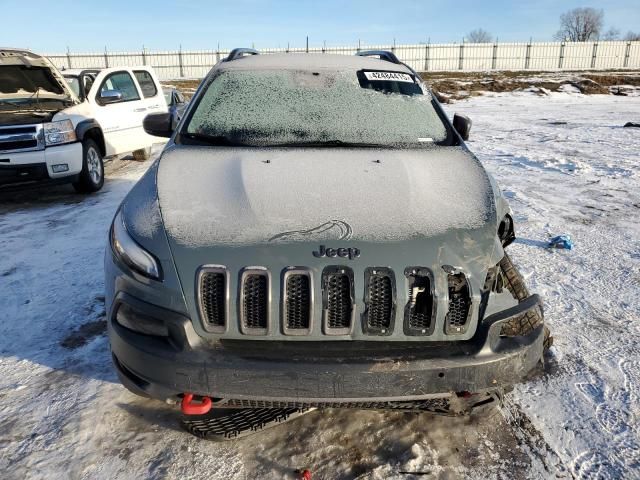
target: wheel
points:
(92, 175)
(523, 324)
(142, 154)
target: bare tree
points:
(632, 36)
(612, 34)
(479, 36)
(580, 25)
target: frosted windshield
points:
(296, 107)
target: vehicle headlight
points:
(57, 133)
(130, 253)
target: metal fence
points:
(468, 57)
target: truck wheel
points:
(92, 175)
(142, 154)
(522, 325)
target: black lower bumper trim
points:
(11, 174)
(220, 425)
(161, 369)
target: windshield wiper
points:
(217, 140)
(331, 143)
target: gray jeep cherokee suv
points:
(317, 234)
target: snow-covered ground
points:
(566, 165)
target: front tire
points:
(91, 177)
(526, 323)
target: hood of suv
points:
(246, 209)
(249, 196)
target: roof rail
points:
(383, 54)
(237, 53)
(387, 56)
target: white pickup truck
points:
(49, 133)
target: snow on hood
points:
(243, 196)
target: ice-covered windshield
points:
(24, 82)
(290, 107)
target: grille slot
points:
(297, 303)
(457, 319)
(254, 301)
(212, 298)
(19, 138)
(420, 311)
(380, 298)
(338, 300)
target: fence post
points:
(461, 59)
(106, 58)
(494, 56)
(426, 57)
(68, 58)
(180, 62)
(144, 56)
(594, 53)
(527, 57)
(561, 59)
(307, 43)
(627, 52)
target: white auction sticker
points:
(389, 76)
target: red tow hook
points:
(189, 408)
(304, 474)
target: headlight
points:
(57, 133)
(130, 253)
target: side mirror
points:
(158, 124)
(462, 124)
(110, 96)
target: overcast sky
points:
(52, 26)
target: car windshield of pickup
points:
(315, 108)
(74, 84)
(20, 85)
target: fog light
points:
(137, 321)
(59, 168)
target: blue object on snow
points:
(561, 241)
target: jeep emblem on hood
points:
(351, 253)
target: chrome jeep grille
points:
(212, 295)
(459, 304)
(420, 309)
(21, 138)
(254, 301)
(335, 297)
(338, 300)
(297, 302)
(379, 300)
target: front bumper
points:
(327, 372)
(37, 166)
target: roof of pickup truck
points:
(78, 71)
(311, 61)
